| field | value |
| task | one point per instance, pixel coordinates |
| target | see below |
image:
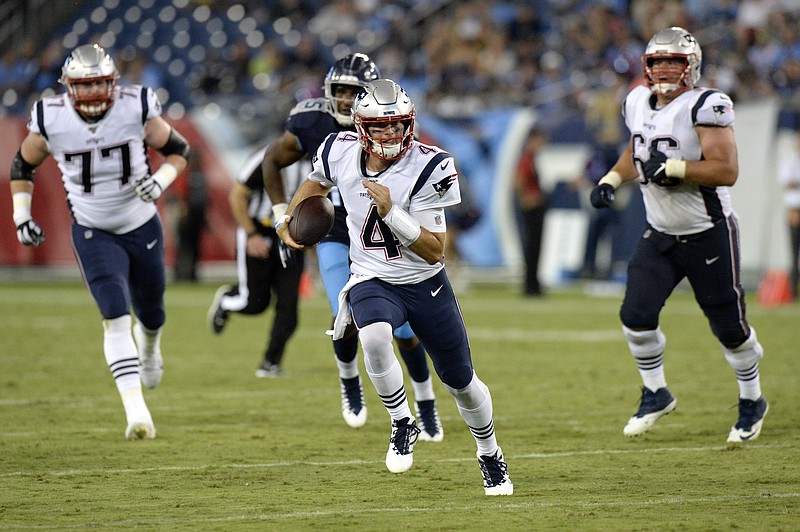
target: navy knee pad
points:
(458, 377)
(111, 297)
(636, 320)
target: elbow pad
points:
(21, 169)
(176, 145)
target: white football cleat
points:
(751, 417)
(495, 474)
(400, 456)
(429, 423)
(354, 411)
(653, 406)
(140, 429)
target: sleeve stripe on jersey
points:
(326, 152)
(40, 118)
(426, 173)
(699, 104)
(145, 107)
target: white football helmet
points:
(88, 64)
(379, 103)
(355, 70)
(674, 42)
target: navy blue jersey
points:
(310, 122)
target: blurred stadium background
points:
(481, 74)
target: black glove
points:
(602, 196)
(286, 254)
(655, 170)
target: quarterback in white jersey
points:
(422, 183)
(683, 152)
(395, 190)
(98, 133)
(307, 126)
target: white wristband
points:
(612, 178)
(278, 210)
(675, 168)
(403, 225)
(22, 207)
(165, 175)
(282, 220)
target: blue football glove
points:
(602, 196)
(655, 170)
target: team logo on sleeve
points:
(444, 185)
(348, 137)
(720, 109)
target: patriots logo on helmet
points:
(444, 185)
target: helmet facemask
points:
(388, 148)
(85, 67)
(340, 107)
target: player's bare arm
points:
(280, 154)
(307, 189)
(163, 137)
(32, 152)
(624, 166)
(720, 165)
(159, 134)
(428, 245)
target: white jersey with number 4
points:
(422, 182)
(689, 208)
(100, 162)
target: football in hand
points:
(312, 219)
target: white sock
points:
(347, 370)
(475, 406)
(383, 369)
(123, 361)
(423, 391)
(653, 378)
(147, 340)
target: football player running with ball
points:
(395, 190)
(307, 126)
(683, 152)
(98, 134)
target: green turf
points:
(238, 452)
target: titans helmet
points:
(355, 70)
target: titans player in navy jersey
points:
(307, 126)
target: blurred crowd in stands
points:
(571, 60)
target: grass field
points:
(237, 452)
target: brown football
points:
(312, 219)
